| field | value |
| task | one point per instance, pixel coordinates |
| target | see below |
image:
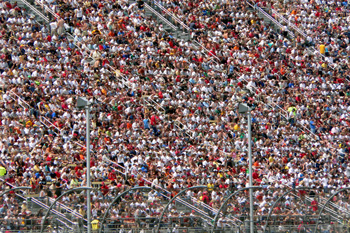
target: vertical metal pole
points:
(88, 168)
(250, 172)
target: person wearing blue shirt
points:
(146, 123)
(312, 127)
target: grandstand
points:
(166, 78)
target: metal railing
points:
(30, 224)
(32, 8)
(39, 203)
(290, 24)
(50, 199)
(256, 7)
(160, 16)
(297, 29)
(169, 193)
(319, 204)
(176, 19)
(47, 9)
(182, 201)
(186, 221)
(183, 25)
(336, 206)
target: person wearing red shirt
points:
(104, 188)
(78, 168)
(205, 198)
(58, 174)
(141, 182)
(314, 205)
(112, 176)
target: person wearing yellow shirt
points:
(322, 49)
(95, 225)
(74, 182)
(2, 171)
(220, 174)
(36, 168)
(210, 186)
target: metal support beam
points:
(251, 207)
(57, 199)
(244, 108)
(83, 103)
(88, 172)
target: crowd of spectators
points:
(166, 110)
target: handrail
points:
(51, 124)
(171, 14)
(40, 117)
(18, 102)
(269, 17)
(180, 200)
(40, 204)
(22, 100)
(202, 46)
(336, 205)
(288, 22)
(319, 204)
(56, 201)
(175, 121)
(160, 16)
(296, 29)
(278, 107)
(315, 50)
(35, 10)
(47, 9)
(50, 199)
(28, 106)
